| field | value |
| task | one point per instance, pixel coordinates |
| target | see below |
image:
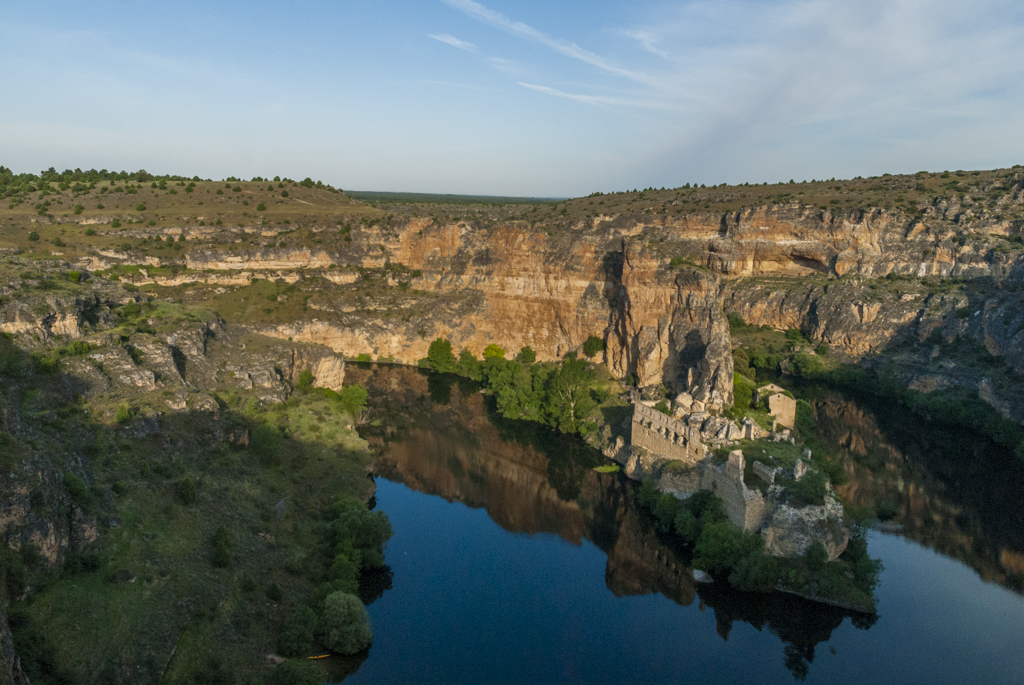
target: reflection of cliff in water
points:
(438, 438)
(950, 490)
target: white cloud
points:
(564, 47)
(453, 41)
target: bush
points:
(77, 488)
(115, 223)
(274, 593)
(305, 381)
(468, 365)
(130, 310)
(344, 625)
(79, 209)
(717, 549)
(140, 207)
(297, 633)
(492, 351)
(185, 491)
(593, 346)
(123, 413)
(92, 231)
(74, 276)
(755, 573)
(663, 407)
(821, 350)
(810, 489)
(220, 554)
(33, 236)
(261, 207)
(794, 335)
(352, 399)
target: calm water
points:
(513, 562)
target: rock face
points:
(668, 327)
(792, 530)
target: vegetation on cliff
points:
(184, 541)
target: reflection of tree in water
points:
(799, 623)
(569, 458)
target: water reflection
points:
(949, 490)
(438, 438)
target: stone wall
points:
(745, 508)
(665, 436)
(783, 409)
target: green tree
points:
(593, 346)
(296, 636)
(116, 223)
(569, 400)
(440, 356)
(469, 365)
(352, 399)
(492, 351)
(354, 527)
(261, 207)
(344, 624)
(526, 355)
(717, 549)
(123, 413)
(305, 381)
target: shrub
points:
(717, 548)
(91, 231)
(492, 351)
(123, 413)
(274, 593)
(74, 276)
(755, 573)
(185, 491)
(220, 553)
(810, 489)
(297, 633)
(344, 624)
(79, 209)
(115, 224)
(468, 365)
(130, 310)
(662, 406)
(284, 193)
(33, 236)
(593, 345)
(219, 191)
(821, 350)
(140, 207)
(57, 242)
(794, 334)
(261, 207)
(77, 488)
(305, 381)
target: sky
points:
(550, 99)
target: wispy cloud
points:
(648, 41)
(564, 47)
(449, 39)
(597, 99)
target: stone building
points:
(666, 436)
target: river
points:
(513, 561)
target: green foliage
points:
(663, 407)
(297, 672)
(140, 207)
(185, 491)
(77, 488)
(526, 355)
(261, 207)
(352, 399)
(468, 365)
(123, 413)
(492, 351)
(92, 231)
(220, 544)
(809, 490)
(130, 310)
(33, 236)
(116, 223)
(794, 335)
(344, 625)
(296, 636)
(821, 350)
(807, 365)
(742, 392)
(736, 323)
(353, 527)
(305, 381)
(74, 276)
(817, 556)
(717, 548)
(755, 573)
(440, 357)
(593, 346)
(568, 398)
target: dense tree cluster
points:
(557, 395)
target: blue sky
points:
(526, 98)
